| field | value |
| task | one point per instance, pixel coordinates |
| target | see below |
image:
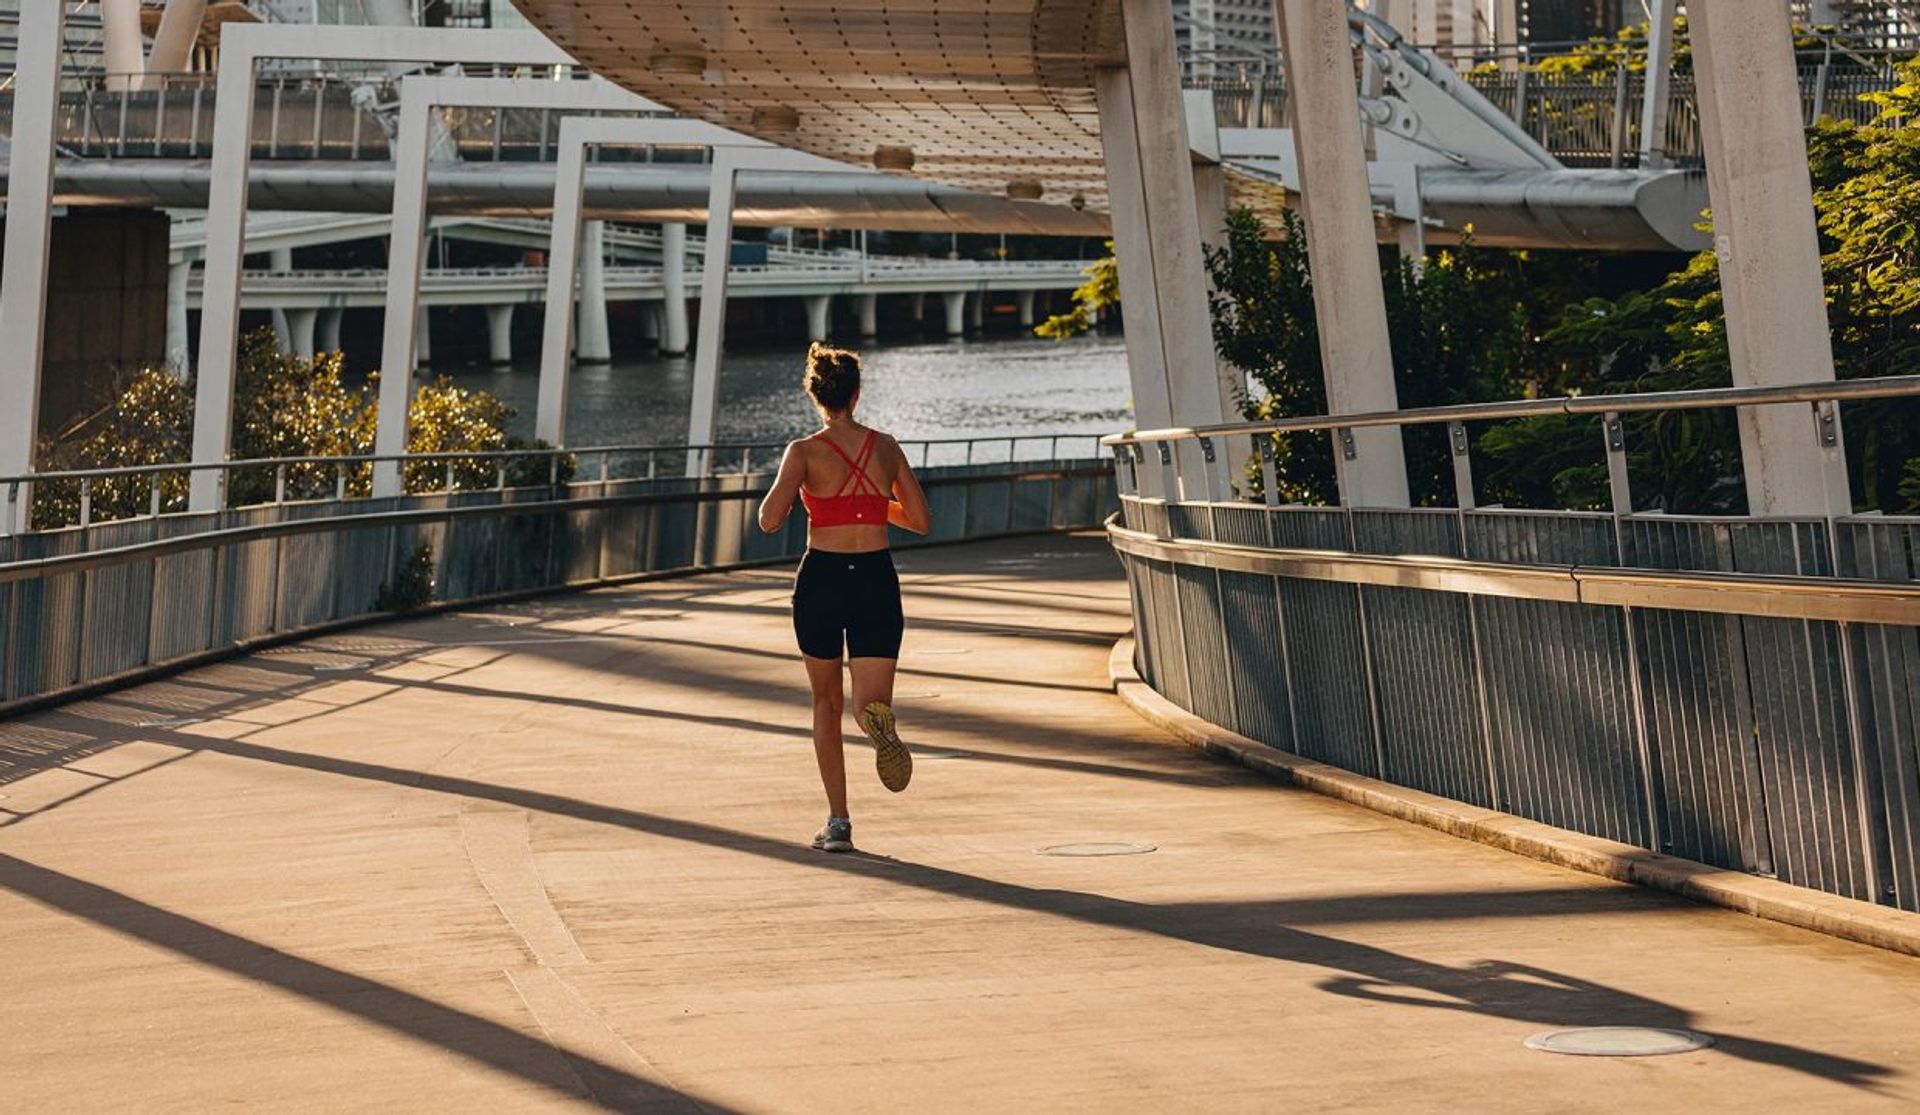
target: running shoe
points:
(890, 757)
(837, 836)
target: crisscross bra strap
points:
(857, 479)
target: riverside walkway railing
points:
(1740, 691)
(105, 603)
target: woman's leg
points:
(829, 710)
(872, 679)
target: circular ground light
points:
(1097, 849)
(1618, 1041)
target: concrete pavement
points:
(552, 857)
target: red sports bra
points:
(859, 500)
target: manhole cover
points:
(1097, 849)
(340, 667)
(1618, 1041)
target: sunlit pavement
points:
(553, 855)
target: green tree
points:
(284, 406)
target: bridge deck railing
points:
(1742, 691)
(104, 604)
(1592, 119)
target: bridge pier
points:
(300, 325)
(592, 343)
(423, 340)
(673, 262)
(281, 259)
(1025, 300)
(977, 311)
(179, 360)
(328, 337)
(500, 334)
(650, 321)
(819, 311)
(956, 301)
(869, 307)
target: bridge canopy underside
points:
(981, 92)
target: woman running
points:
(854, 481)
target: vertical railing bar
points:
(160, 119)
(1366, 660)
(86, 501)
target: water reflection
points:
(937, 390)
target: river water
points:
(954, 389)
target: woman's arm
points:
(786, 488)
(908, 509)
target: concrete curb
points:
(1846, 918)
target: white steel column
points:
(23, 268)
(1342, 251)
(1023, 300)
(125, 53)
(728, 162)
(1210, 208)
(1156, 234)
(1659, 84)
(179, 356)
(241, 45)
(593, 345)
(404, 341)
(1768, 249)
(500, 333)
(563, 256)
(868, 306)
(173, 40)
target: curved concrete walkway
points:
(551, 857)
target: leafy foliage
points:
(284, 406)
(1100, 292)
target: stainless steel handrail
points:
(1881, 387)
(588, 451)
(1833, 599)
(35, 568)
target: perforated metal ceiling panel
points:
(990, 95)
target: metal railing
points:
(1734, 690)
(110, 603)
(1593, 119)
(347, 478)
(1180, 477)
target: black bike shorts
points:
(847, 603)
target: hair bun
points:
(833, 376)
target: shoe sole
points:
(890, 757)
